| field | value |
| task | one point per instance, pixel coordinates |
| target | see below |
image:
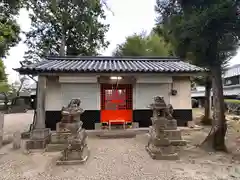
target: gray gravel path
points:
(113, 159)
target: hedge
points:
(234, 101)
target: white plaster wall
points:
(53, 101)
(183, 98)
(144, 94)
(59, 94)
(88, 93)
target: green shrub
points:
(234, 101)
(233, 105)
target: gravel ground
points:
(116, 159)
(17, 122)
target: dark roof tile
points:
(110, 64)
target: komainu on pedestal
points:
(76, 149)
(70, 119)
(164, 135)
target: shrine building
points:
(112, 88)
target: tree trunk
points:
(63, 44)
(64, 23)
(206, 120)
(216, 138)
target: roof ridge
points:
(123, 58)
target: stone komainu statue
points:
(74, 102)
(72, 112)
(159, 103)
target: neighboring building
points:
(113, 88)
(231, 84)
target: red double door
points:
(116, 103)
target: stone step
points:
(55, 147)
(117, 134)
(117, 131)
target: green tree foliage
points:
(9, 29)
(4, 86)
(70, 27)
(9, 35)
(210, 29)
(143, 45)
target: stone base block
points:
(161, 149)
(173, 134)
(117, 134)
(171, 124)
(55, 147)
(25, 135)
(178, 142)
(160, 142)
(72, 162)
(75, 158)
(37, 143)
(161, 156)
(59, 138)
(39, 133)
(160, 122)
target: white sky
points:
(130, 16)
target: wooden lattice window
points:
(116, 97)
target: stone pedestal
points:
(1, 128)
(75, 157)
(161, 148)
(59, 139)
(174, 136)
(76, 150)
(39, 138)
(171, 124)
(164, 135)
(80, 156)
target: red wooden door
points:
(116, 102)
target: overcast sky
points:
(130, 16)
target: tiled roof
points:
(232, 71)
(110, 64)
